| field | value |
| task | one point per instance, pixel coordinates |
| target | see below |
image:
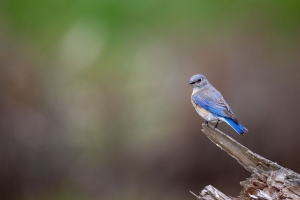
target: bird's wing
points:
(214, 103)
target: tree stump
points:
(268, 179)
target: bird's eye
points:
(199, 80)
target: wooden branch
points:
(211, 193)
(268, 180)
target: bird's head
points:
(198, 81)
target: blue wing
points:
(214, 103)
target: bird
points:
(211, 106)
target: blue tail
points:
(239, 128)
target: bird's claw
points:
(216, 125)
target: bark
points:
(268, 179)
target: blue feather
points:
(210, 106)
(239, 128)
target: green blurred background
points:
(95, 101)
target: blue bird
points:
(211, 106)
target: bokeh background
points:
(95, 101)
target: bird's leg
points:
(206, 122)
(216, 124)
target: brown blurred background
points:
(95, 101)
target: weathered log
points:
(268, 179)
(211, 193)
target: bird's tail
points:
(239, 128)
